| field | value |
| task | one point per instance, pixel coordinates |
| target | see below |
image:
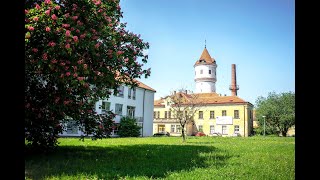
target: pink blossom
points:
(36, 18)
(54, 17)
(80, 78)
(48, 29)
(68, 46)
(68, 33)
(78, 31)
(100, 10)
(110, 25)
(47, 1)
(66, 68)
(26, 11)
(108, 19)
(57, 7)
(119, 52)
(45, 56)
(67, 15)
(75, 18)
(47, 12)
(31, 28)
(75, 75)
(38, 7)
(65, 25)
(68, 74)
(62, 75)
(68, 62)
(75, 38)
(65, 102)
(72, 29)
(52, 44)
(54, 61)
(74, 5)
(62, 64)
(35, 50)
(79, 23)
(126, 60)
(75, 68)
(80, 61)
(85, 66)
(97, 45)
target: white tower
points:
(205, 73)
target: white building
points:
(137, 102)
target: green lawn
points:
(167, 158)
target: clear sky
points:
(256, 35)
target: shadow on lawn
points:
(152, 161)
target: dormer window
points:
(202, 61)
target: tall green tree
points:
(76, 52)
(279, 112)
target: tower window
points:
(201, 71)
(209, 71)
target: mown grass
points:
(167, 158)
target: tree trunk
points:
(284, 133)
(183, 135)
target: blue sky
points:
(256, 35)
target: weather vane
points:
(205, 43)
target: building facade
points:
(134, 102)
(216, 115)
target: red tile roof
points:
(205, 58)
(206, 98)
(144, 86)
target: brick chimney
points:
(233, 87)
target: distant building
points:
(218, 114)
(134, 102)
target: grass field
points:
(167, 158)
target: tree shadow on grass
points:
(148, 160)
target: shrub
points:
(128, 127)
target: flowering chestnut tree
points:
(76, 52)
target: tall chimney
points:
(233, 87)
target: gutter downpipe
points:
(144, 94)
(244, 121)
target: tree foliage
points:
(128, 127)
(183, 107)
(279, 112)
(76, 52)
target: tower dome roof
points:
(205, 58)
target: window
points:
(173, 127)
(166, 114)
(224, 112)
(236, 114)
(236, 129)
(154, 114)
(169, 114)
(72, 128)
(200, 114)
(161, 128)
(158, 114)
(129, 93)
(115, 129)
(105, 106)
(120, 91)
(209, 71)
(201, 71)
(200, 128)
(118, 110)
(134, 93)
(212, 129)
(211, 114)
(224, 130)
(130, 111)
(178, 128)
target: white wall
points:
(205, 86)
(147, 107)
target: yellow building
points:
(216, 114)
